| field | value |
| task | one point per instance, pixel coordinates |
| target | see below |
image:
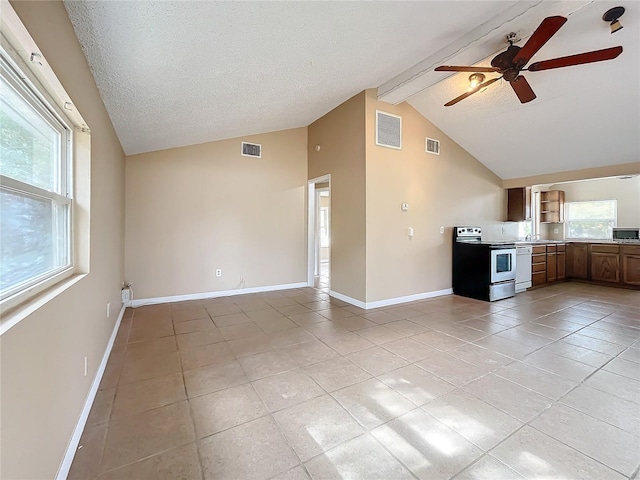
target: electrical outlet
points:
(126, 295)
(108, 309)
(218, 272)
(555, 230)
(86, 366)
(441, 229)
(504, 230)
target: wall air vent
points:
(432, 146)
(251, 150)
(388, 130)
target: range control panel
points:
(467, 231)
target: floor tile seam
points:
(444, 426)
(284, 435)
(630, 347)
(528, 424)
(484, 455)
(607, 371)
(460, 360)
(602, 340)
(559, 399)
(364, 427)
(193, 424)
(560, 403)
(124, 417)
(270, 374)
(288, 406)
(624, 475)
(615, 324)
(380, 444)
(535, 391)
(485, 451)
(637, 379)
(204, 437)
(398, 355)
(499, 408)
(159, 452)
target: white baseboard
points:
(221, 293)
(344, 298)
(391, 301)
(63, 470)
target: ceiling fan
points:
(510, 63)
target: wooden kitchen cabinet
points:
(552, 266)
(631, 265)
(577, 260)
(605, 263)
(539, 265)
(552, 206)
(518, 204)
(561, 261)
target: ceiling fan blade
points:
(471, 92)
(579, 59)
(543, 33)
(523, 89)
(453, 68)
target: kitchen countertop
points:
(545, 242)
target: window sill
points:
(12, 317)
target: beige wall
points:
(573, 175)
(449, 189)
(625, 191)
(43, 387)
(341, 136)
(194, 209)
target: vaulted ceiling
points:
(174, 73)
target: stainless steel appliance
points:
(523, 267)
(626, 234)
(485, 270)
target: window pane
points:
(29, 145)
(33, 237)
(591, 219)
(591, 229)
(592, 210)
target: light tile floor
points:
(294, 384)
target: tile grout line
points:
(446, 352)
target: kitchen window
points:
(594, 219)
(35, 194)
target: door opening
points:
(319, 233)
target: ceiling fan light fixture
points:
(475, 80)
(612, 16)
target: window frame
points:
(567, 219)
(62, 196)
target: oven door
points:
(503, 264)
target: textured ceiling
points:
(175, 73)
(585, 116)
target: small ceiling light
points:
(475, 80)
(612, 15)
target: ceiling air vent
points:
(388, 130)
(251, 150)
(433, 146)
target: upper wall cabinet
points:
(552, 206)
(518, 204)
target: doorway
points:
(319, 232)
